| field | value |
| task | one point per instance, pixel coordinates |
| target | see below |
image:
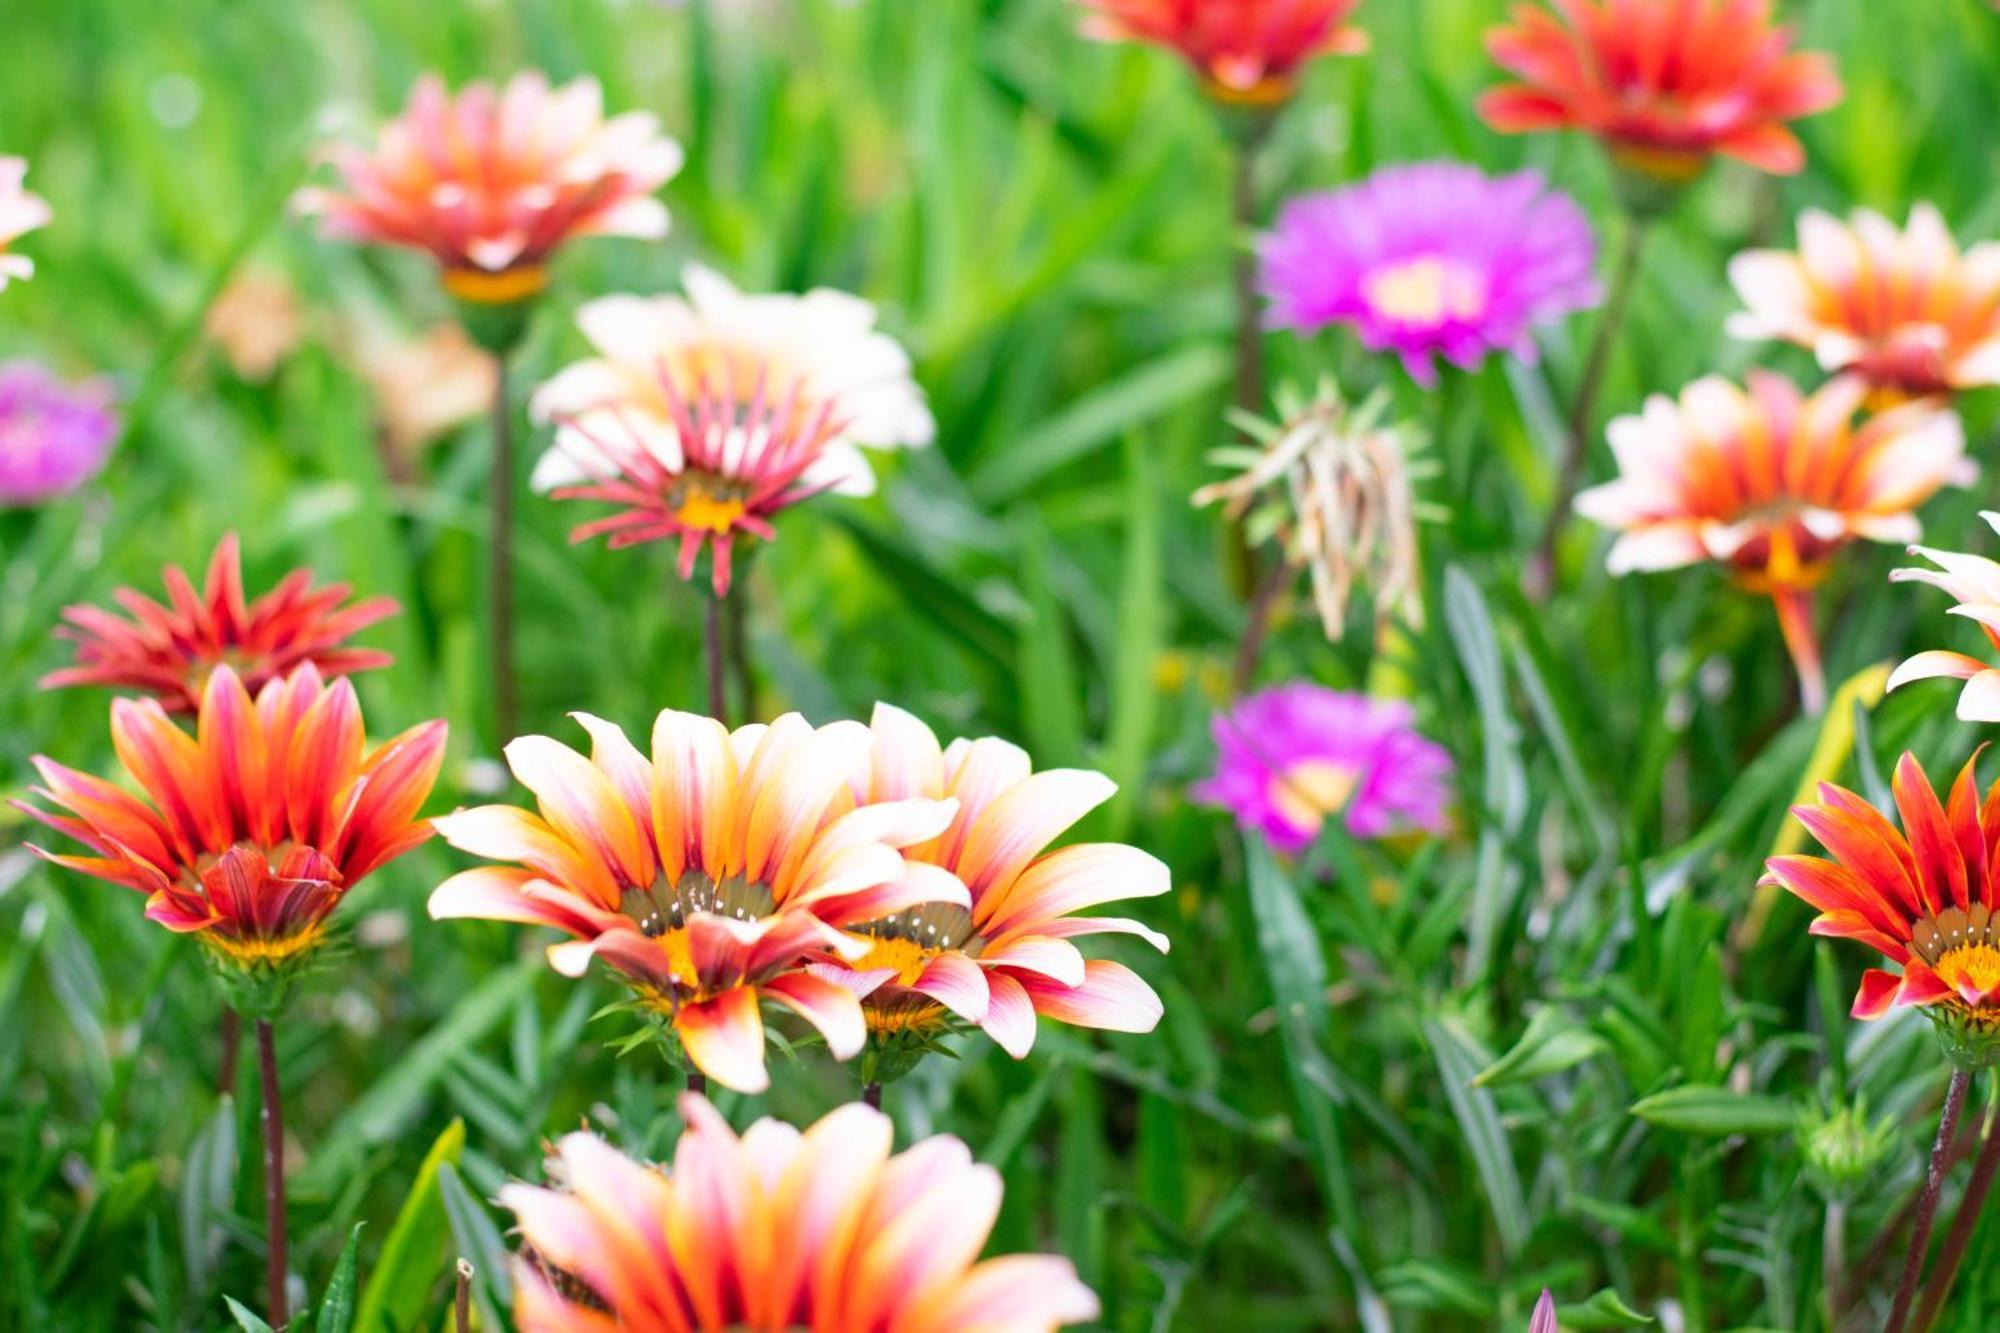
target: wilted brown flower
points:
(256, 322)
(1335, 487)
(424, 385)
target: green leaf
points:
(474, 1233)
(1142, 630)
(1505, 779)
(413, 1256)
(1604, 1310)
(1479, 1121)
(208, 1195)
(1051, 708)
(336, 1307)
(247, 1320)
(1553, 1042)
(1716, 1112)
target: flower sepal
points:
(892, 1053)
(259, 984)
(496, 325)
(1649, 183)
(1969, 1038)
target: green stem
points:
(277, 1237)
(714, 651)
(500, 560)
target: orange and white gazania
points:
(825, 1231)
(492, 181)
(1922, 895)
(1246, 52)
(171, 651)
(1974, 583)
(1772, 483)
(701, 418)
(1005, 956)
(253, 828)
(1904, 309)
(1664, 83)
(20, 213)
(706, 874)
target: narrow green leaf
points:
(1478, 1117)
(1716, 1112)
(1553, 1042)
(336, 1307)
(1604, 1310)
(413, 1256)
(246, 1319)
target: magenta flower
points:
(1432, 257)
(1291, 757)
(54, 436)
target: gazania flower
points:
(704, 876)
(1922, 895)
(702, 418)
(171, 651)
(1333, 486)
(1005, 956)
(1905, 310)
(1974, 583)
(1663, 84)
(1246, 52)
(778, 1232)
(1544, 1318)
(1432, 259)
(54, 437)
(252, 829)
(1290, 758)
(20, 213)
(492, 182)
(1772, 483)
(425, 386)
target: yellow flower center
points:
(906, 958)
(1974, 965)
(250, 951)
(707, 508)
(1425, 291)
(1307, 792)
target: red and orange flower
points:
(491, 182)
(171, 651)
(1904, 309)
(253, 828)
(1772, 483)
(1922, 896)
(778, 1232)
(1246, 52)
(1664, 83)
(706, 875)
(1005, 956)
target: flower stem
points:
(461, 1305)
(1962, 1227)
(1833, 1262)
(735, 622)
(1247, 138)
(871, 1093)
(1927, 1202)
(1250, 648)
(1576, 441)
(232, 1041)
(697, 1082)
(500, 559)
(718, 688)
(277, 1241)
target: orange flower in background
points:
(171, 651)
(706, 876)
(20, 213)
(1006, 956)
(1974, 583)
(253, 828)
(703, 417)
(1921, 895)
(1904, 309)
(492, 181)
(1771, 484)
(1247, 52)
(1664, 83)
(778, 1231)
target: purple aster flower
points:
(1291, 756)
(1432, 257)
(53, 436)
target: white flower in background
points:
(819, 352)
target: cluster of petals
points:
(251, 829)
(54, 435)
(1665, 83)
(1904, 309)
(1432, 259)
(1293, 757)
(702, 417)
(20, 213)
(1004, 956)
(778, 1231)
(1921, 895)
(707, 874)
(1246, 52)
(492, 181)
(1973, 582)
(169, 651)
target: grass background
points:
(1300, 1145)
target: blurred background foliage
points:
(1303, 1144)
